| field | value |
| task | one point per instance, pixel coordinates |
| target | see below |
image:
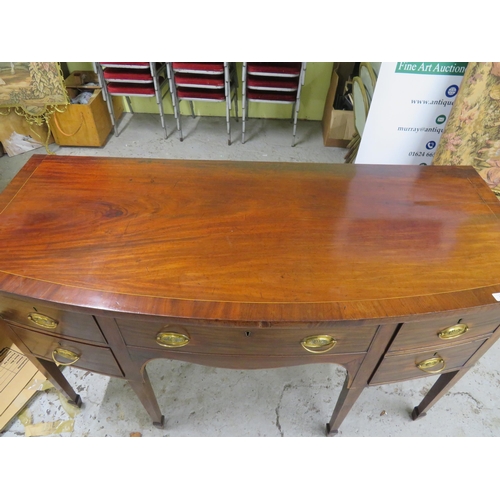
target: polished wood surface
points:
(67, 323)
(251, 241)
(94, 358)
(426, 333)
(404, 366)
(256, 341)
(246, 261)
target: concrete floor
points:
(297, 401)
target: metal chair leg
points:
(236, 105)
(106, 96)
(234, 86)
(228, 120)
(244, 104)
(175, 100)
(129, 102)
(159, 100)
(109, 102)
(296, 105)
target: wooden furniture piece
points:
(389, 271)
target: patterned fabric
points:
(31, 86)
(33, 90)
(472, 133)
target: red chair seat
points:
(136, 89)
(267, 83)
(274, 69)
(136, 65)
(201, 94)
(262, 95)
(128, 75)
(214, 68)
(200, 81)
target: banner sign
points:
(410, 106)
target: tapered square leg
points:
(442, 385)
(145, 393)
(347, 398)
(52, 372)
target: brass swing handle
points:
(427, 364)
(318, 344)
(172, 339)
(66, 354)
(453, 332)
(43, 321)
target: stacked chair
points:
(363, 87)
(278, 83)
(133, 79)
(369, 78)
(204, 81)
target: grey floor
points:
(297, 401)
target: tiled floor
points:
(298, 401)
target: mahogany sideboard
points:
(390, 271)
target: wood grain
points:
(249, 258)
(240, 341)
(94, 358)
(404, 366)
(251, 241)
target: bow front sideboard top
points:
(390, 271)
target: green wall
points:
(312, 100)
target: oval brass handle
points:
(318, 344)
(172, 339)
(431, 363)
(65, 353)
(43, 321)
(453, 332)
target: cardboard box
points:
(18, 136)
(345, 71)
(19, 381)
(338, 125)
(84, 124)
(82, 80)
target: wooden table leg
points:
(353, 388)
(442, 385)
(134, 372)
(346, 400)
(145, 393)
(446, 381)
(52, 372)
(47, 368)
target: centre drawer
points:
(342, 338)
(66, 352)
(50, 320)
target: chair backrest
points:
(368, 77)
(360, 104)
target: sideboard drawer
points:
(67, 352)
(395, 368)
(251, 341)
(50, 320)
(447, 331)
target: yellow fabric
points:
(472, 133)
(34, 90)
